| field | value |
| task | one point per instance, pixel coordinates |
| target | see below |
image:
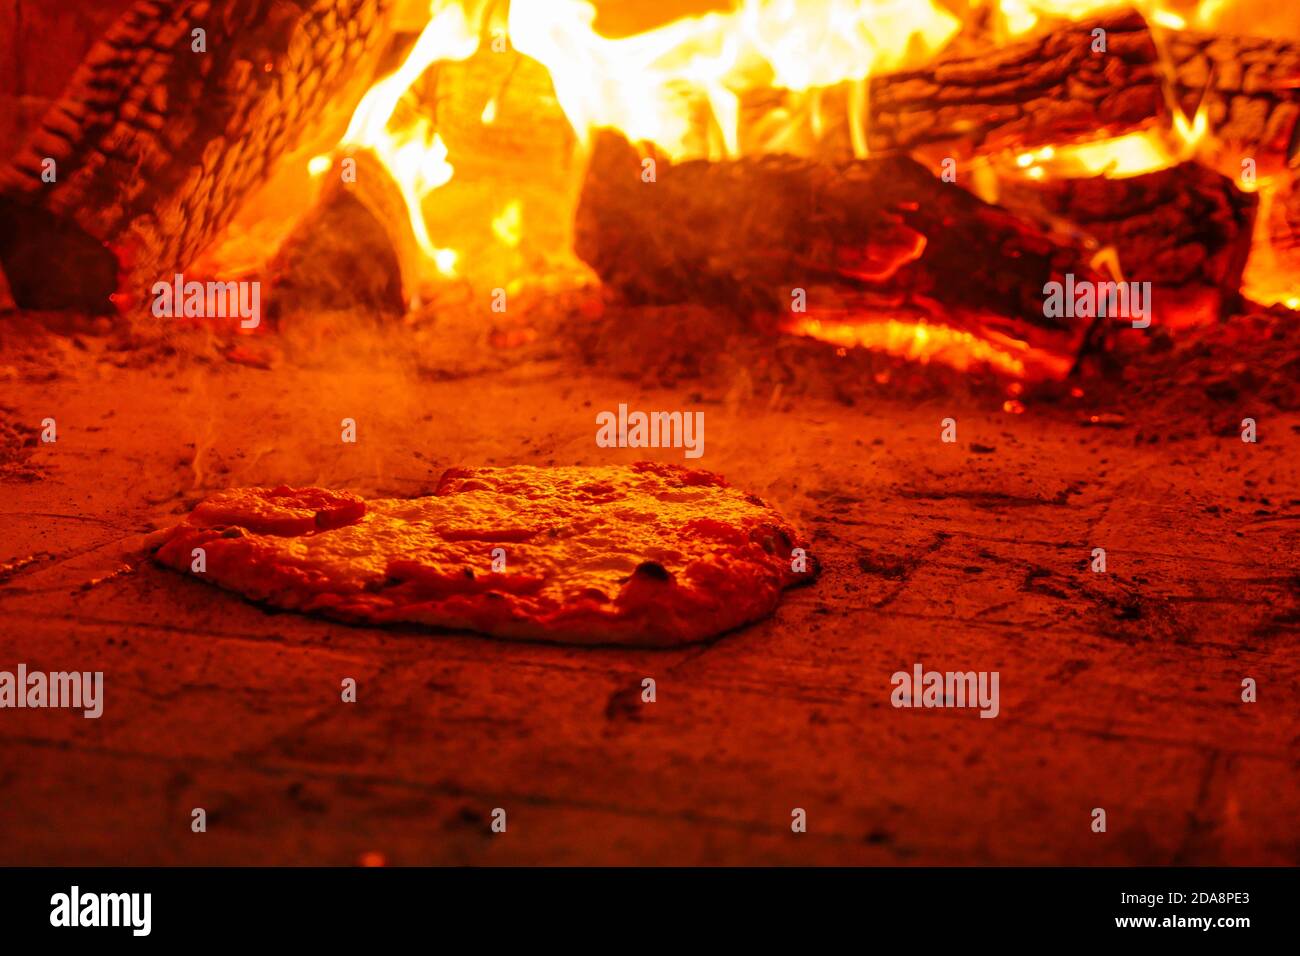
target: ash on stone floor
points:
(1119, 690)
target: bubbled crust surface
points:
(647, 554)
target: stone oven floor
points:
(1118, 690)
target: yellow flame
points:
(1021, 16)
(1269, 278)
(1191, 133)
(509, 226)
(1133, 154)
(644, 85)
(1130, 155)
(445, 260)
(414, 154)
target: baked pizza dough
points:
(647, 554)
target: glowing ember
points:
(924, 342)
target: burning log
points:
(1052, 88)
(1251, 88)
(172, 119)
(1185, 229)
(865, 242)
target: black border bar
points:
(307, 905)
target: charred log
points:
(347, 253)
(865, 241)
(1185, 229)
(164, 130)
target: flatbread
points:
(647, 554)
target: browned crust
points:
(646, 555)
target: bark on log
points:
(1050, 88)
(155, 144)
(1251, 87)
(868, 240)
